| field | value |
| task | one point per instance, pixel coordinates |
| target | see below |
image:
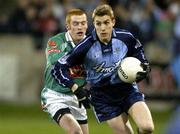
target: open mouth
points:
(103, 34)
(80, 33)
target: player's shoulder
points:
(56, 39)
(123, 34)
(88, 39)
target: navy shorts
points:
(110, 103)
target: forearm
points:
(60, 72)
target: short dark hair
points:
(102, 10)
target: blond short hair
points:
(102, 10)
(72, 12)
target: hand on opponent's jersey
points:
(142, 75)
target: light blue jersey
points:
(109, 95)
(101, 61)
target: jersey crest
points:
(52, 44)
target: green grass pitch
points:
(16, 119)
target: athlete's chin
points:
(80, 37)
(104, 39)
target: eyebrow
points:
(79, 21)
(102, 21)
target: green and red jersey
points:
(57, 47)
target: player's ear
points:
(113, 21)
(68, 26)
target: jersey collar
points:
(69, 38)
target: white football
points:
(128, 69)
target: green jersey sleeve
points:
(55, 49)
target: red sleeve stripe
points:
(53, 50)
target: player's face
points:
(77, 27)
(104, 26)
